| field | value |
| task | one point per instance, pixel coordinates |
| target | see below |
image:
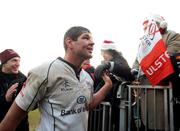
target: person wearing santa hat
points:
(119, 71)
(114, 61)
(11, 82)
(172, 42)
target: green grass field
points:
(33, 119)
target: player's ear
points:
(69, 42)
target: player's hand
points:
(101, 69)
(107, 80)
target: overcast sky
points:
(35, 28)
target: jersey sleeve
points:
(33, 90)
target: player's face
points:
(83, 47)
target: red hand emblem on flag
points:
(153, 56)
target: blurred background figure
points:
(11, 82)
(114, 61)
(118, 69)
(88, 67)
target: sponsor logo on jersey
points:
(81, 99)
(73, 111)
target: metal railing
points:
(140, 108)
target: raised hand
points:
(11, 92)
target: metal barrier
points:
(100, 118)
(155, 104)
(141, 108)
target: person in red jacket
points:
(88, 67)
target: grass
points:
(33, 119)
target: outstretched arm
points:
(12, 118)
(100, 95)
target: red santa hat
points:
(107, 44)
(7, 55)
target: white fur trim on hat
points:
(161, 21)
(107, 44)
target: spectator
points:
(11, 82)
(172, 42)
(119, 71)
(88, 67)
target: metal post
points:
(129, 109)
(171, 110)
